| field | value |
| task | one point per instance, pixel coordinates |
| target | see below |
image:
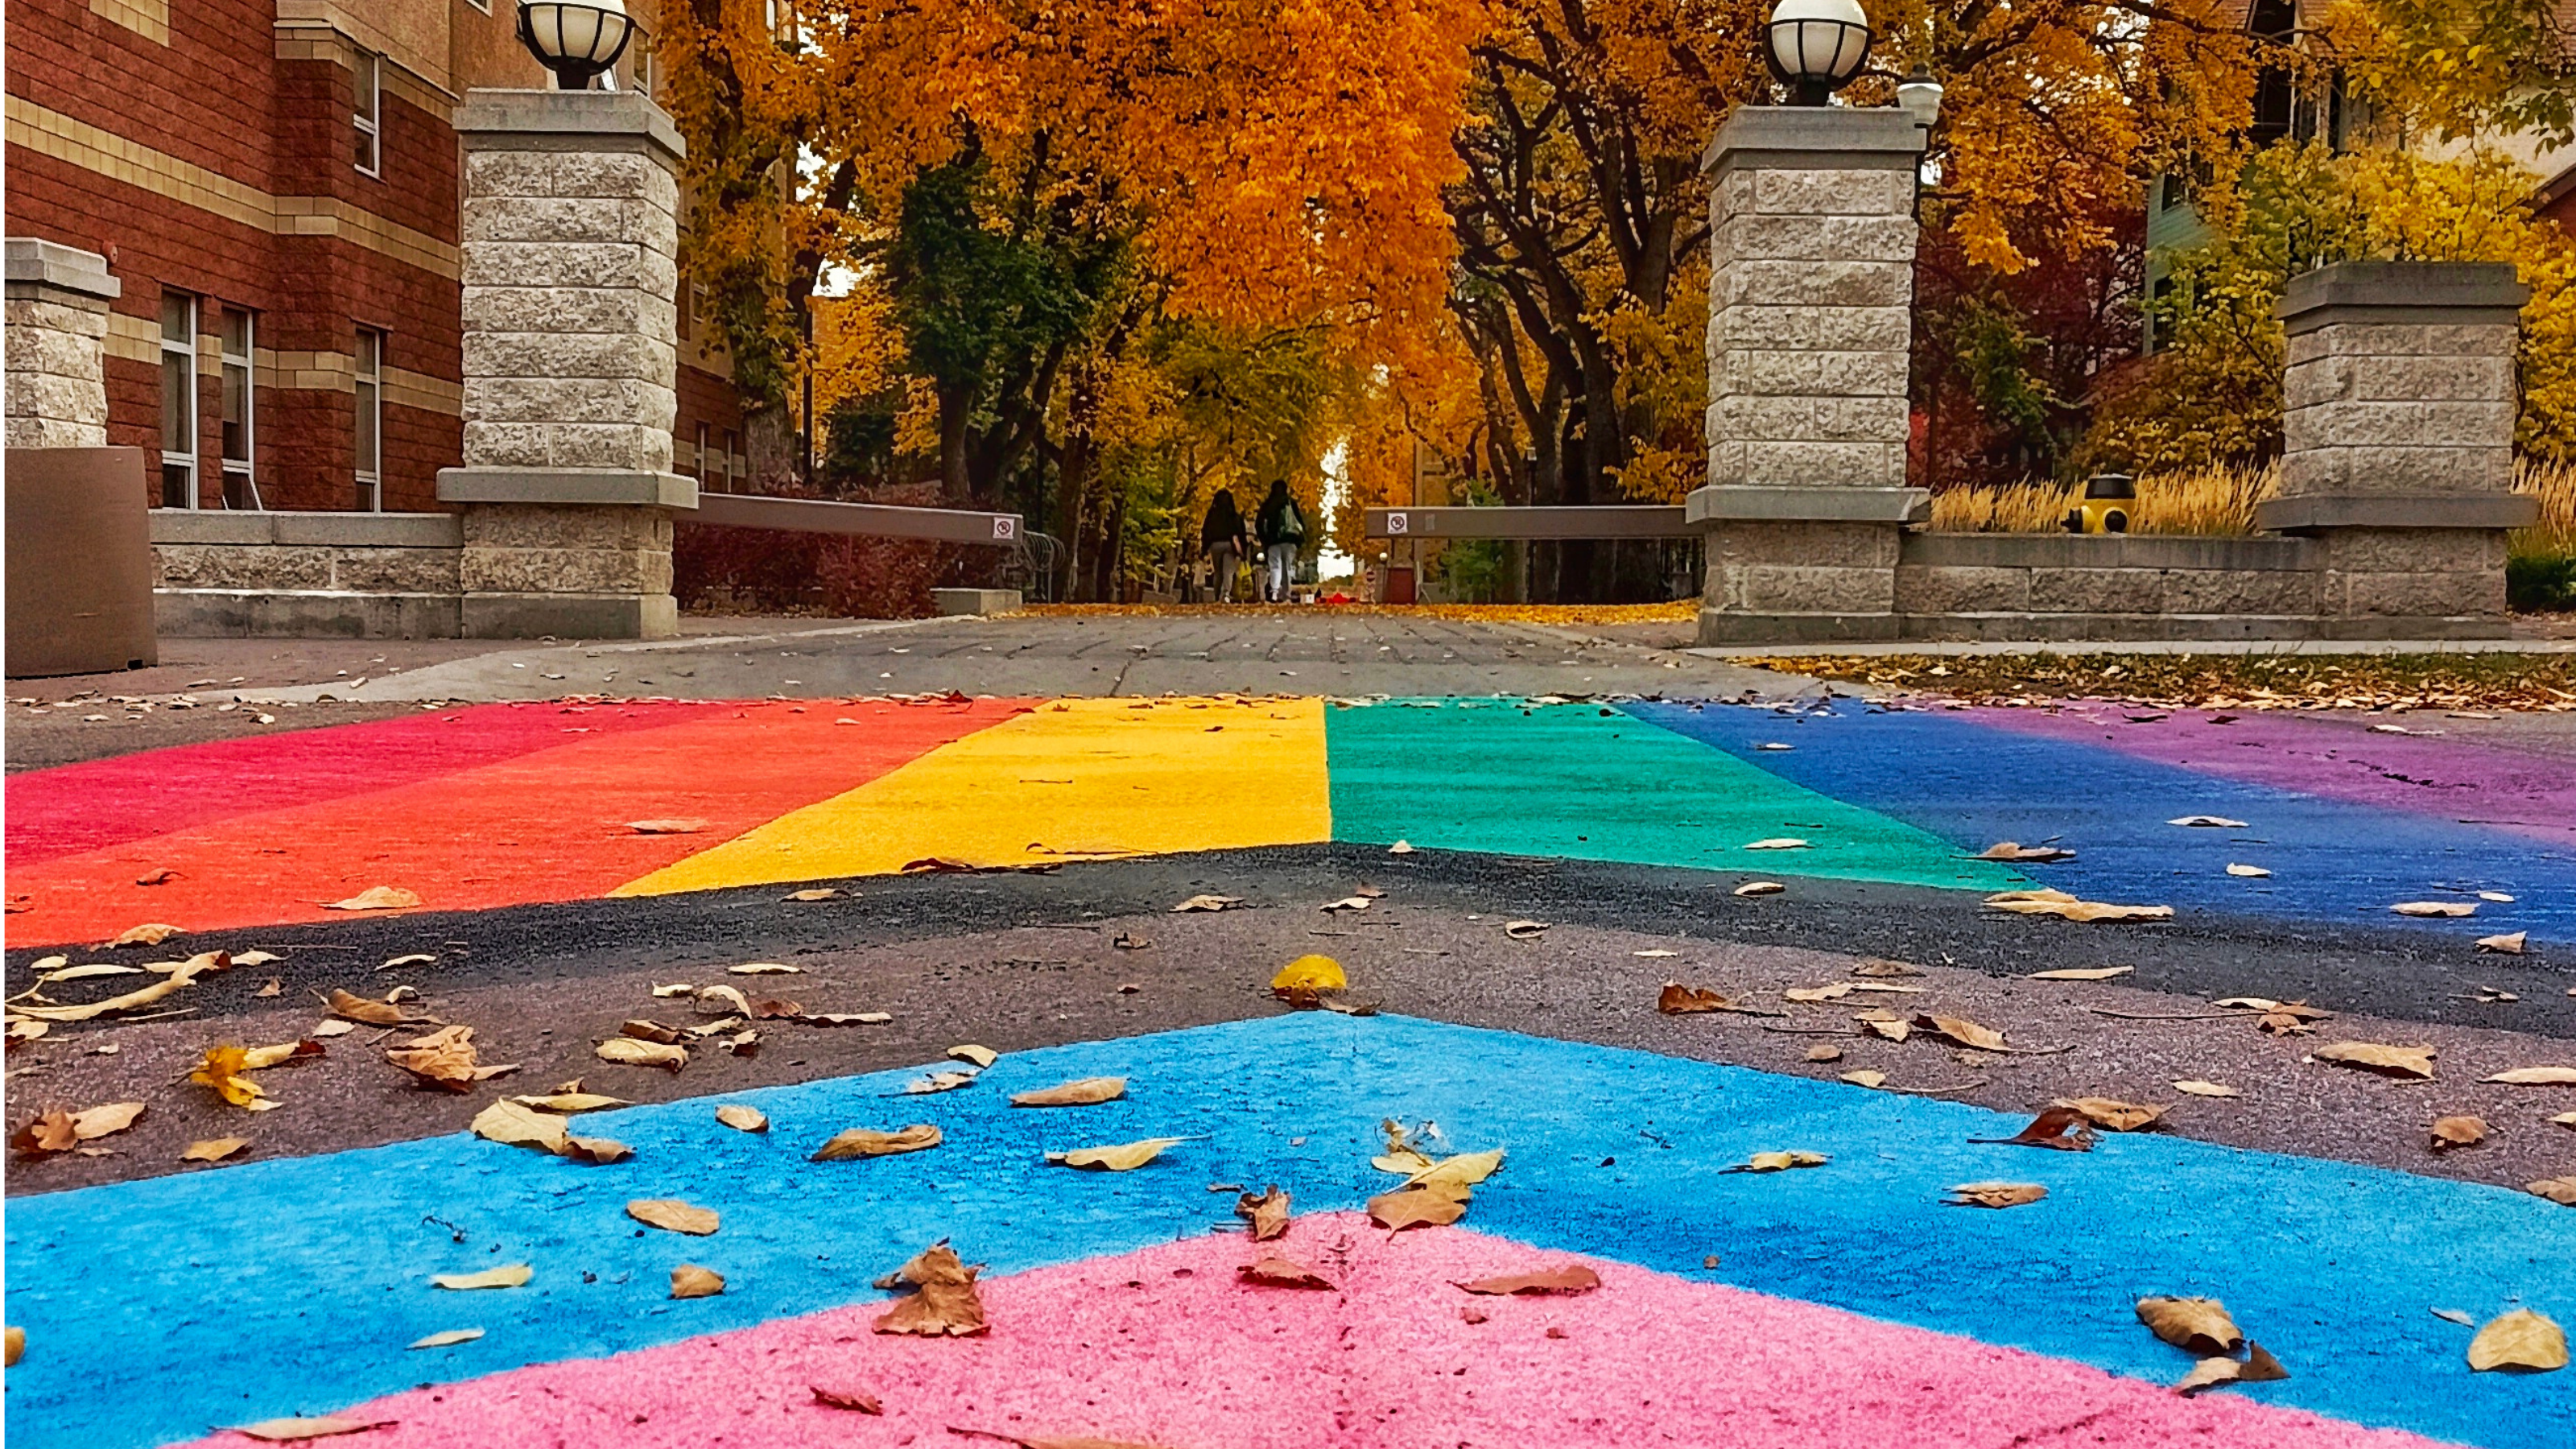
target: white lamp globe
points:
(1816, 46)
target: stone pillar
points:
(571, 240)
(2397, 443)
(1811, 281)
(57, 325)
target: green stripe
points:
(1589, 783)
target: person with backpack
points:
(1283, 535)
(1225, 541)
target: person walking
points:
(1283, 534)
(1223, 539)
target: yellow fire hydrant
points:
(2105, 508)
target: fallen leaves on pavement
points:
(444, 1059)
(324, 1427)
(1088, 1092)
(1122, 1157)
(180, 977)
(2435, 908)
(2112, 1113)
(1680, 1000)
(2560, 1190)
(1779, 1161)
(2450, 1132)
(1346, 903)
(2059, 903)
(2510, 945)
(2015, 850)
(373, 1013)
(628, 1051)
(743, 1119)
(61, 1131)
(2206, 1089)
(375, 898)
(2248, 872)
(572, 1102)
(2207, 822)
(596, 1150)
(1572, 1278)
(514, 1125)
(691, 1281)
(213, 1149)
(150, 933)
(2082, 973)
(508, 1275)
(1265, 1215)
(939, 1082)
(981, 1056)
(2194, 1325)
(2536, 1077)
(1415, 1207)
(1208, 903)
(674, 826)
(1760, 888)
(857, 1142)
(448, 1338)
(2522, 1339)
(2062, 1128)
(1305, 981)
(815, 893)
(2258, 1366)
(846, 1399)
(673, 1215)
(1962, 1031)
(1996, 1194)
(2414, 1063)
(944, 1302)
(1277, 1271)
(222, 1070)
(1526, 930)
(1780, 842)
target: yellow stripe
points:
(1078, 778)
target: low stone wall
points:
(308, 575)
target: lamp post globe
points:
(578, 40)
(1919, 96)
(1815, 47)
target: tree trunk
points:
(956, 410)
(769, 439)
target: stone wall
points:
(307, 575)
(57, 331)
(2108, 586)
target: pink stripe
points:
(75, 808)
(1166, 1347)
(2528, 794)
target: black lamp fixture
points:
(579, 40)
(1815, 47)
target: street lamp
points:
(579, 40)
(1815, 47)
(1919, 96)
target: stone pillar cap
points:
(2387, 290)
(517, 120)
(1816, 138)
(35, 262)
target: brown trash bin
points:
(80, 562)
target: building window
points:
(699, 466)
(733, 446)
(370, 114)
(240, 335)
(370, 458)
(178, 400)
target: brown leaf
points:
(13, 1346)
(149, 934)
(1572, 1278)
(742, 1119)
(938, 865)
(1525, 930)
(2257, 1367)
(2435, 908)
(2536, 1077)
(862, 1142)
(1779, 1161)
(945, 1303)
(772, 1009)
(1996, 1194)
(1833, 992)
(213, 1149)
(981, 1056)
(373, 1013)
(631, 1052)
(1886, 968)
(2560, 1190)
(2194, 1325)
(846, 1399)
(1760, 888)
(1208, 903)
(1415, 1206)
(2449, 1132)
(1961, 1030)
(2206, 1089)
(1680, 1000)
(645, 1029)
(1891, 1029)
(2013, 850)
(1280, 1272)
(2059, 1127)
(2510, 945)
(375, 898)
(2522, 1340)
(519, 1126)
(1866, 1078)
(2111, 1113)
(443, 1059)
(1122, 1157)
(1088, 1092)
(281, 1430)
(2083, 973)
(162, 876)
(1267, 1213)
(833, 1018)
(675, 826)
(53, 1131)
(691, 1281)
(573, 1101)
(2414, 1063)
(598, 1151)
(673, 1215)
(814, 893)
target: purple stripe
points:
(2528, 795)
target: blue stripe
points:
(2331, 860)
(157, 1309)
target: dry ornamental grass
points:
(2226, 681)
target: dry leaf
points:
(1280, 1272)
(599, 1151)
(672, 1214)
(2560, 1190)
(647, 1029)
(742, 1119)
(180, 976)
(332, 1026)
(85, 973)
(666, 827)
(1346, 903)
(823, 1018)
(13, 1346)
(628, 1051)
(1823, 1053)
(981, 1056)
(447, 1338)
(2059, 903)
(2258, 1366)
(1834, 992)
(938, 865)
(2435, 908)
(1266, 1215)
(2014, 850)
(281, 1430)
(1306, 980)
(2209, 822)
(256, 958)
(1760, 888)
(509, 1275)
(1888, 1027)
(1996, 1194)
(213, 1149)
(517, 1126)
(2085, 973)
(2194, 1325)
(1680, 1000)
(2414, 1063)
(2521, 1339)
(765, 968)
(726, 999)
(1415, 1207)
(49, 1132)
(863, 1142)
(1401, 847)
(2536, 1077)
(1886, 968)
(2206, 1089)
(2449, 1132)
(1525, 930)
(444, 1058)
(1963, 1031)
(375, 898)
(1124, 1157)
(2249, 872)
(1779, 1161)
(1657, 954)
(1457, 1174)
(1779, 842)
(2565, 1119)
(1208, 903)
(2113, 1113)
(1866, 1078)
(846, 1399)
(572, 1102)
(359, 1008)
(222, 1070)
(1572, 1278)
(2060, 1127)
(691, 1281)
(944, 1302)
(149, 934)
(2459, 1316)
(100, 1121)
(816, 893)
(2510, 945)
(940, 1082)
(1088, 1092)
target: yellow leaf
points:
(213, 1149)
(509, 1275)
(1997, 1194)
(2112, 1113)
(572, 1102)
(375, 898)
(628, 1051)
(2536, 1077)
(1124, 1157)
(2521, 1339)
(1415, 1207)
(673, 1215)
(100, 1121)
(981, 1056)
(1963, 1031)
(2206, 1089)
(1302, 981)
(2195, 1325)
(519, 1126)
(221, 1070)
(1780, 1161)
(1462, 1171)
(742, 1119)
(691, 1281)
(862, 1142)
(2415, 1062)
(150, 934)
(1088, 1092)
(2059, 903)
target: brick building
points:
(275, 184)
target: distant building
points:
(275, 183)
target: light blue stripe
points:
(156, 1310)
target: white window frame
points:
(700, 465)
(242, 467)
(367, 423)
(369, 112)
(186, 353)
